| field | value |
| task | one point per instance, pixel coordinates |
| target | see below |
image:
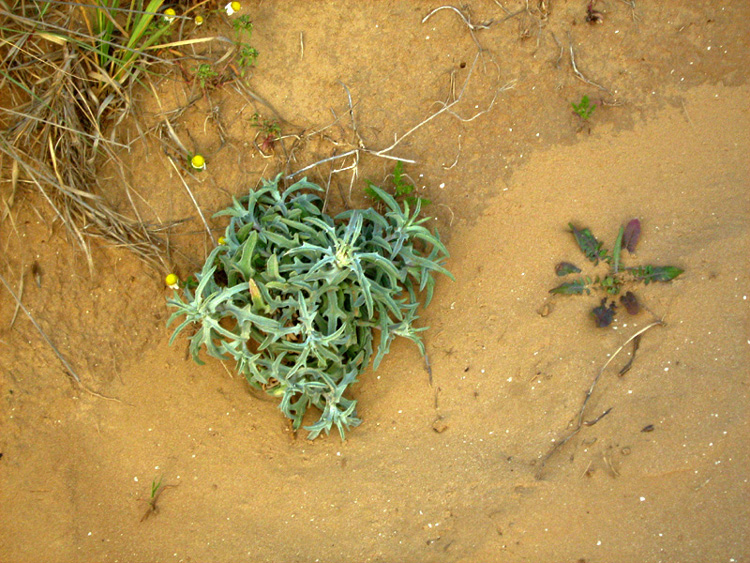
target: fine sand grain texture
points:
(464, 464)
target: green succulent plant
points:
(294, 295)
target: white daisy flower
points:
(172, 281)
(232, 7)
(198, 162)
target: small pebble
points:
(439, 425)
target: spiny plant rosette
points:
(618, 277)
(293, 295)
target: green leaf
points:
(401, 187)
(616, 251)
(647, 274)
(610, 284)
(588, 244)
(585, 108)
(421, 200)
(576, 287)
(244, 264)
(371, 192)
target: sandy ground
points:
(668, 144)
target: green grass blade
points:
(616, 251)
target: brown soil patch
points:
(447, 471)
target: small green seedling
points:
(246, 57)
(268, 131)
(618, 278)
(584, 109)
(205, 74)
(246, 54)
(242, 24)
(156, 489)
(266, 126)
(402, 190)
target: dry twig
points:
(192, 198)
(578, 73)
(62, 359)
(580, 422)
(448, 106)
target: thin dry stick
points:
(466, 19)
(687, 115)
(503, 8)
(578, 73)
(360, 143)
(65, 363)
(446, 108)
(453, 215)
(443, 109)
(192, 197)
(580, 422)
(18, 303)
(323, 161)
(631, 3)
(562, 49)
(458, 155)
(226, 369)
(508, 86)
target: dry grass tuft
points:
(67, 72)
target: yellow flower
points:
(198, 20)
(222, 240)
(198, 162)
(170, 15)
(232, 7)
(172, 281)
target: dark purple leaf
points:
(565, 268)
(630, 302)
(603, 314)
(631, 235)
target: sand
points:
(462, 465)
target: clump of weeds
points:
(212, 76)
(619, 280)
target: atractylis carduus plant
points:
(295, 296)
(618, 278)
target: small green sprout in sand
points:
(585, 108)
